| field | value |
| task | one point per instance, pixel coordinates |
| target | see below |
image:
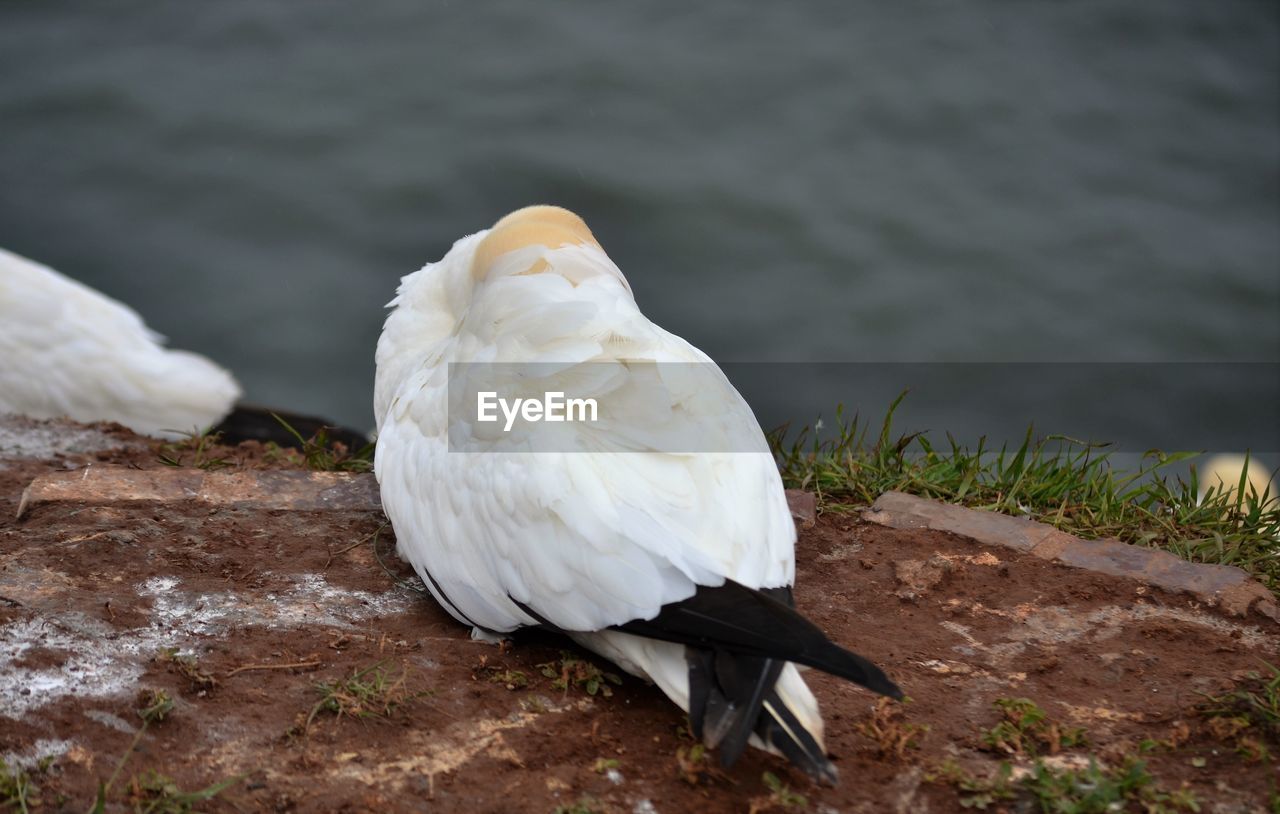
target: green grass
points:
(1098, 790)
(17, 792)
(1095, 789)
(154, 793)
(318, 453)
(975, 792)
(694, 763)
(571, 671)
(1248, 715)
(1066, 483)
(151, 792)
(780, 795)
(511, 679)
(197, 449)
(1025, 729)
(321, 454)
(371, 692)
(156, 706)
(604, 764)
(584, 805)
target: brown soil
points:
(93, 596)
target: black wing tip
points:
(846, 664)
(877, 681)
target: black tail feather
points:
(737, 641)
(746, 680)
(748, 622)
(701, 689)
(779, 727)
(732, 696)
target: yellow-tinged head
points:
(548, 226)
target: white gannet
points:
(675, 564)
(67, 350)
(1222, 473)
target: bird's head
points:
(545, 239)
(549, 226)
(433, 303)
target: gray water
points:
(789, 182)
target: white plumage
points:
(578, 541)
(67, 350)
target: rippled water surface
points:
(917, 182)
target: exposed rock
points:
(296, 491)
(1223, 586)
(804, 507)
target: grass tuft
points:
(500, 674)
(367, 693)
(976, 792)
(604, 764)
(321, 454)
(155, 706)
(571, 671)
(780, 796)
(534, 703)
(1249, 715)
(1098, 790)
(188, 667)
(197, 450)
(154, 793)
(584, 805)
(17, 791)
(892, 735)
(1095, 789)
(694, 763)
(1066, 483)
(1025, 729)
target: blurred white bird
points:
(67, 350)
(1222, 473)
(677, 565)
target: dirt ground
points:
(240, 615)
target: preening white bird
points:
(676, 564)
(68, 350)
